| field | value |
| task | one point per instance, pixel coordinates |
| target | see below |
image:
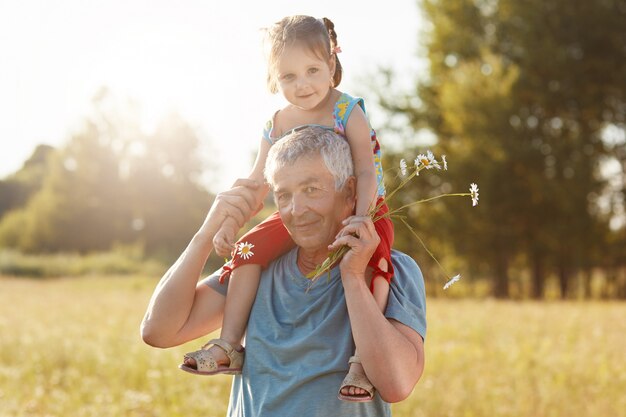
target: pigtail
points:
(334, 49)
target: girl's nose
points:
(301, 83)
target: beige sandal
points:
(357, 381)
(206, 364)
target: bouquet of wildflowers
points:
(422, 162)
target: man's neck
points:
(308, 260)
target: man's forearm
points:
(391, 353)
(172, 301)
(180, 310)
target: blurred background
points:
(122, 119)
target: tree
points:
(518, 98)
(112, 183)
(19, 187)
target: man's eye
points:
(310, 190)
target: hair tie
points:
(336, 50)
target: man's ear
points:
(350, 190)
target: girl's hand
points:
(224, 239)
(360, 235)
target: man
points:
(300, 336)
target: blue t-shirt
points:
(298, 341)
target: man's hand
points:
(238, 204)
(360, 235)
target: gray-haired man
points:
(299, 338)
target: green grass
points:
(71, 347)
(124, 260)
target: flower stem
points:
(426, 200)
(402, 219)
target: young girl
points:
(304, 67)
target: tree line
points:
(111, 184)
(527, 98)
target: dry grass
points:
(70, 347)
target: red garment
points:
(270, 240)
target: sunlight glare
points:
(202, 60)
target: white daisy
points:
(452, 281)
(403, 167)
(432, 160)
(418, 161)
(445, 163)
(474, 194)
(244, 249)
(428, 161)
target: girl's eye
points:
(286, 77)
(313, 70)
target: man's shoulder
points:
(403, 259)
(407, 273)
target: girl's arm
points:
(358, 134)
(225, 238)
(259, 165)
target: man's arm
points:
(392, 354)
(181, 309)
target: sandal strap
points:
(226, 347)
(235, 356)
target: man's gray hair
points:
(307, 142)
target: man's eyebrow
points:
(309, 180)
(304, 182)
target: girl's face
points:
(303, 78)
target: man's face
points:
(309, 206)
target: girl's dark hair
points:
(316, 34)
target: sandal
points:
(206, 364)
(358, 381)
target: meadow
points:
(70, 347)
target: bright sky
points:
(202, 59)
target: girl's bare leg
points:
(381, 294)
(242, 289)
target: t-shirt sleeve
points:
(213, 282)
(407, 295)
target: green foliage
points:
(19, 187)
(519, 97)
(112, 183)
(123, 260)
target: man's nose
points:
(298, 205)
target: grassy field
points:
(71, 347)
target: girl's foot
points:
(220, 358)
(351, 390)
(216, 352)
(356, 387)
